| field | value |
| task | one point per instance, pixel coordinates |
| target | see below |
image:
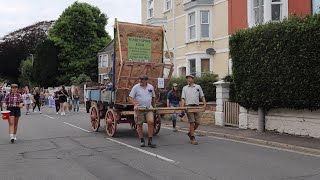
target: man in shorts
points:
(190, 96)
(143, 95)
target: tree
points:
(82, 78)
(18, 45)
(26, 72)
(79, 33)
(45, 67)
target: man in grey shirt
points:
(143, 95)
(190, 96)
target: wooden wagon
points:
(138, 49)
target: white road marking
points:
(76, 127)
(266, 146)
(146, 152)
(48, 116)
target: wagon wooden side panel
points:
(138, 50)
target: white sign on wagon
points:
(160, 82)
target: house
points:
(198, 31)
(105, 60)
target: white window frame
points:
(150, 7)
(100, 61)
(193, 25)
(105, 60)
(267, 11)
(198, 56)
(201, 23)
(198, 23)
(165, 5)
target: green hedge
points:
(277, 65)
(205, 81)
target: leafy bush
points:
(277, 65)
(205, 81)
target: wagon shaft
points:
(167, 110)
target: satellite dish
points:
(211, 51)
(166, 54)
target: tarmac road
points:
(53, 147)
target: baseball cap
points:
(106, 78)
(174, 84)
(14, 85)
(143, 77)
(190, 76)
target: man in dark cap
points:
(143, 95)
(191, 94)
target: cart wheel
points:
(111, 123)
(133, 126)
(157, 124)
(95, 119)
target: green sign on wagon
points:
(139, 49)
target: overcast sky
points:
(16, 14)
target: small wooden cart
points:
(138, 49)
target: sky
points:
(16, 14)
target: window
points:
(204, 20)
(104, 62)
(100, 61)
(182, 71)
(192, 66)
(262, 11)
(167, 5)
(192, 26)
(276, 10)
(257, 9)
(205, 65)
(150, 8)
(315, 6)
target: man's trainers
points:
(194, 142)
(151, 145)
(142, 144)
(12, 140)
(175, 130)
(40, 112)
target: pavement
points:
(51, 146)
(302, 144)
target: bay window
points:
(192, 26)
(205, 25)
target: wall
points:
(237, 15)
(299, 7)
(296, 122)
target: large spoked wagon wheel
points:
(157, 124)
(95, 119)
(111, 123)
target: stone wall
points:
(296, 122)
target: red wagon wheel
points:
(111, 123)
(95, 119)
(157, 124)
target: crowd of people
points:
(13, 99)
(141, 95)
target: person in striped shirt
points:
(14, 102)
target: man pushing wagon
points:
(143, 95)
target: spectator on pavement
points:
(191, 94)
(173, 100)
(143, 95)
(13, 101)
